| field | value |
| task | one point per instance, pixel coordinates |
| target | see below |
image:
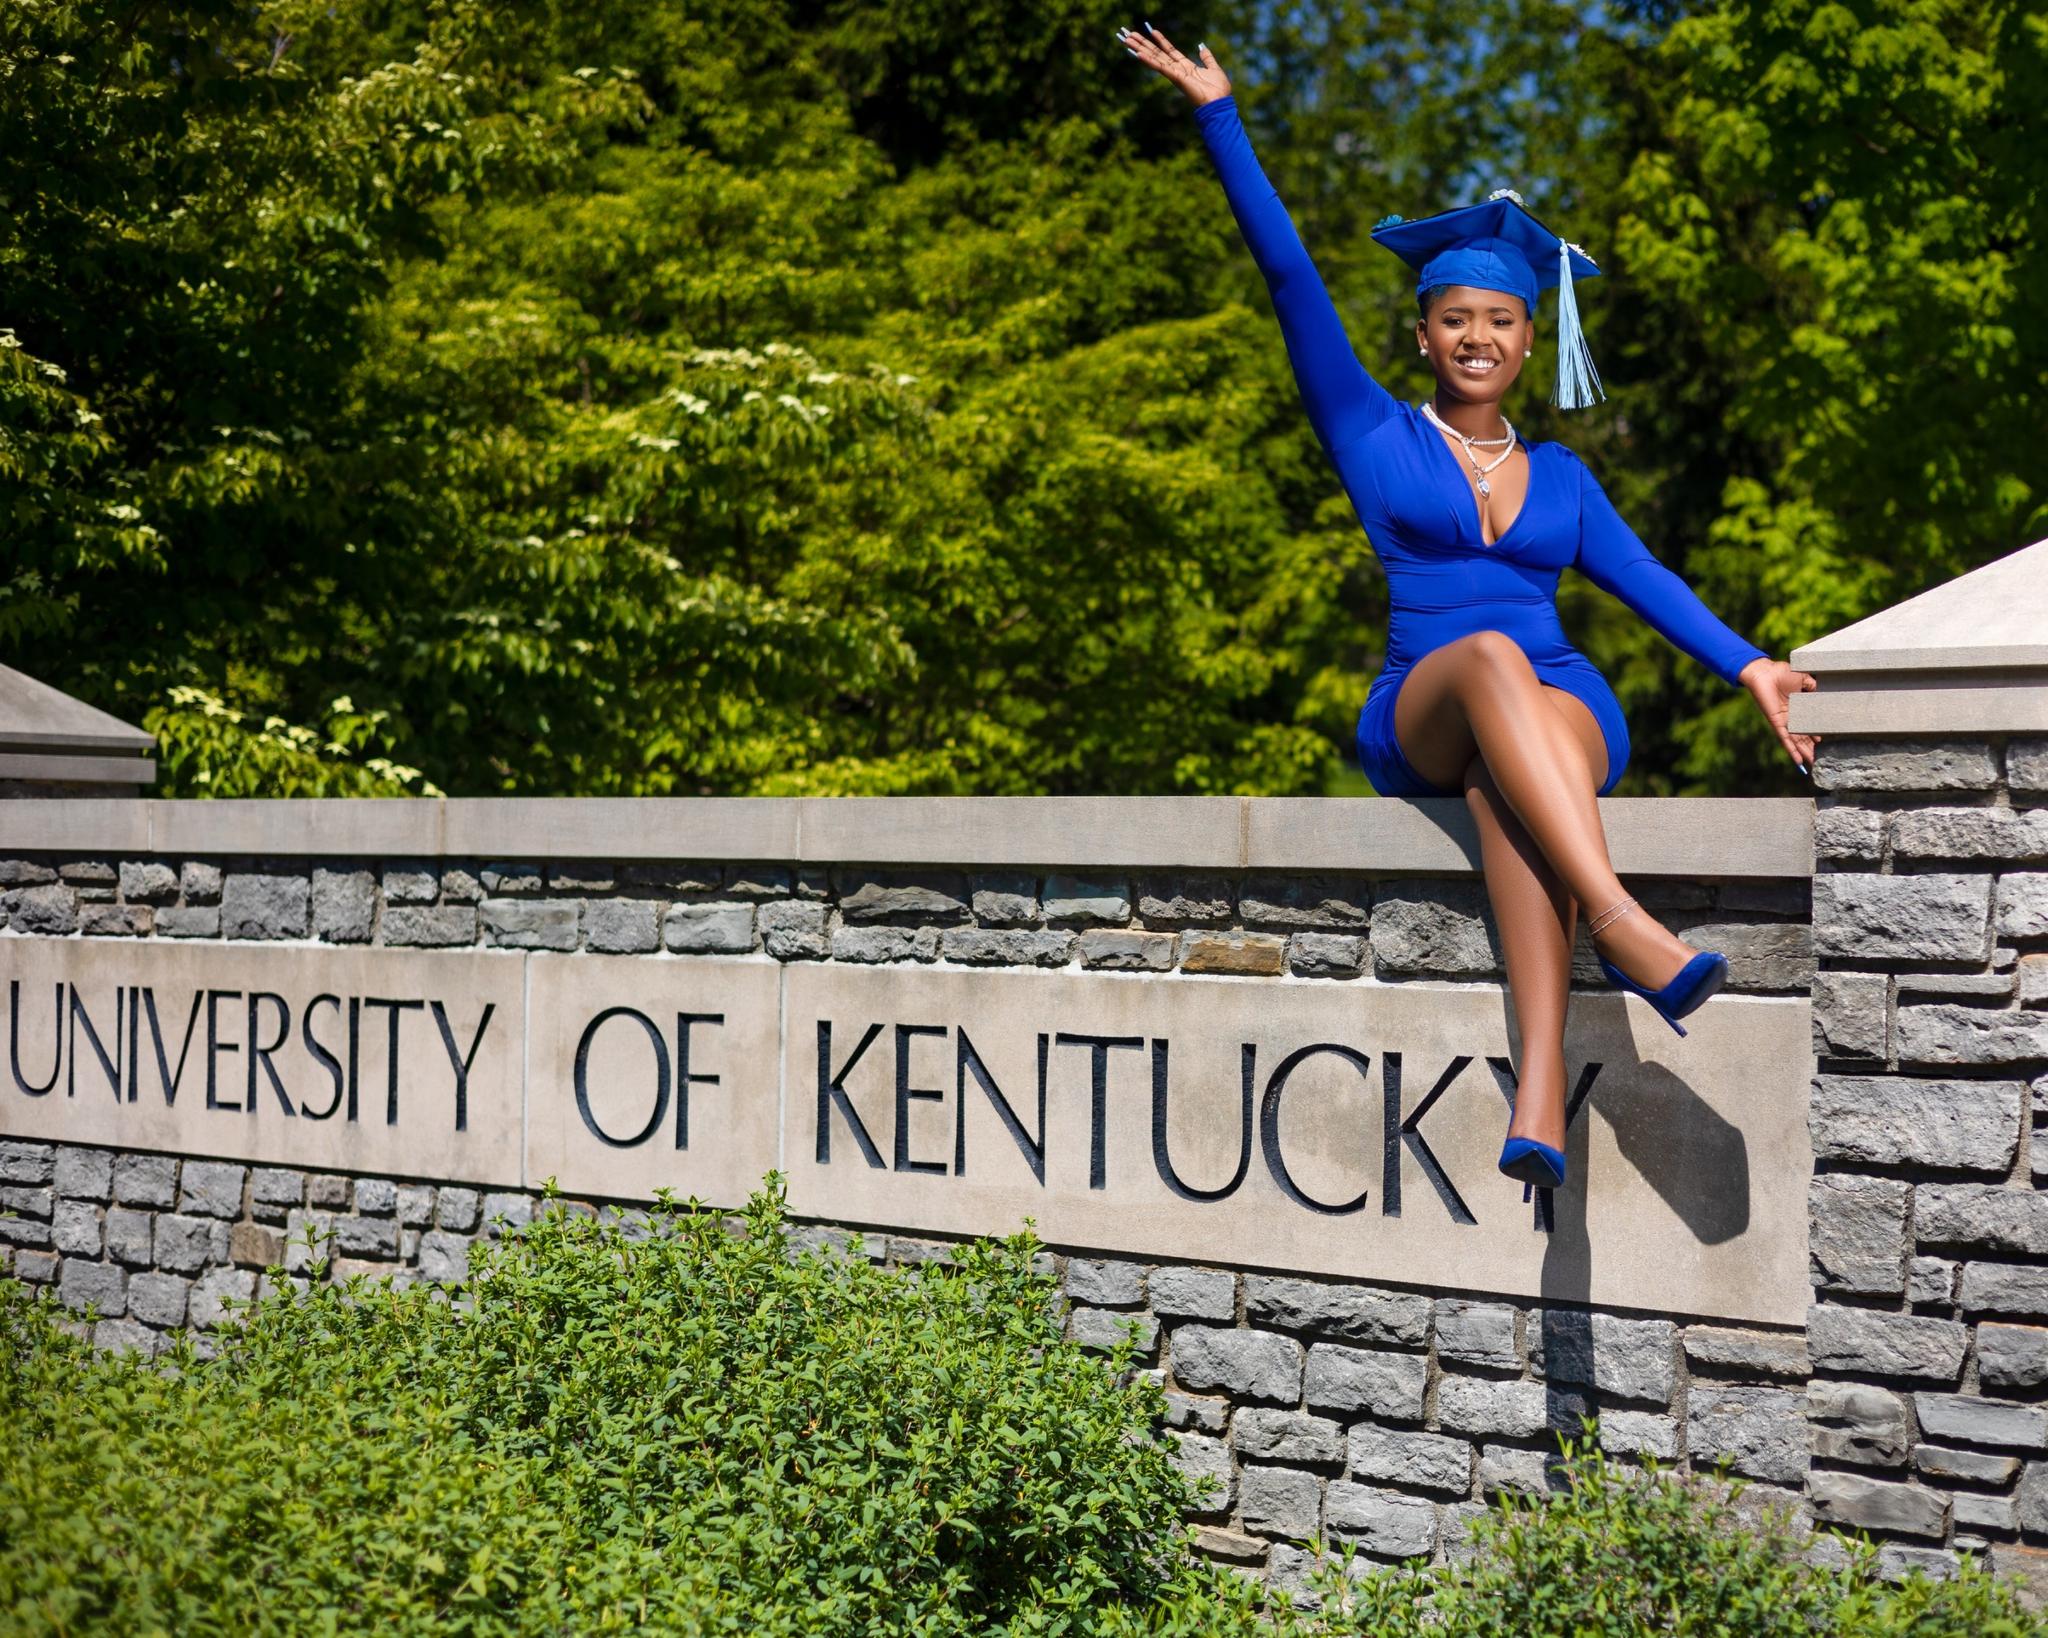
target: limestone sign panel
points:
(1288, 1124)
(652, 1074)
(403, 1062)
(1345, 1130)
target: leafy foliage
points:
(872, 396)
(1615, 1552)
(674, 1422)
(1840, 230)
(674, 1427)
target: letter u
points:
(1163, 1160)
(14, 1039)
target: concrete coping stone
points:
(36, 717)
(1967, 656)
(1690, 837)
(1951, 702)
(1988, 619)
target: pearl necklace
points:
(1480, 472)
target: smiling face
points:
(1476, 340)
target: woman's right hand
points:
(1203, 81)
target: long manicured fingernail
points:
(1128, 52)
(1149, 29)
(1803, 768)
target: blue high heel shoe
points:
(1534, 1165)
(1699, 978)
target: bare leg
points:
(1479, 693)
(1535, 915)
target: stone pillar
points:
(1929, 1220)
(54, 745)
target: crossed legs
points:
(1529, 758)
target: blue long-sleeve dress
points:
(1410, 492)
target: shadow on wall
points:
(1695, 1160)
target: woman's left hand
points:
(1772, 683)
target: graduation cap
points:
(1498, 245)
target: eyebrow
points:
(1460, 307)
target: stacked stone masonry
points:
(1336, 926)
(1915, 1405)
(1928, 1336)
(1380, 1416)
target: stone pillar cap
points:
(49, 739)
(1969, 656)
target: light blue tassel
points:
(1577, 380)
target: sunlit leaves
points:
(744, 396)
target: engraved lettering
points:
(260, 1054)
(166, 1078)
(1408, 1133)
(1162, 1160)
(1269, 1125)
(685, 1076)
(581, 1076)
(460, 1061)
(1099, 1048)
(111, 1067)
(398, 1011)
(968, 1061)
(832, 1095)
(14, 1040)
(216, 1046)
(321, 1056)
(905, 1033)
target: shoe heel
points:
(1527, 1190)
(1665, 1002)
(1520, 1157)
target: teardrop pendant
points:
(1485, 488)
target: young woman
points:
(1482, 694)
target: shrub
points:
(683, 1430)
(1616, 1552)
(678, 1426)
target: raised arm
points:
(1613, 557)
(1343, 402)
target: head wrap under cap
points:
(1498, 245)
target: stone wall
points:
(1929, 1334)
(1371, 1412)
(1914, 1403)
(1378, 1415)
(1334, 925)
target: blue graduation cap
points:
(1498, 245)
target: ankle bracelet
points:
(1607, 917)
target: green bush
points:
(690, 1431)
(680, 1427)
(1615, 1552)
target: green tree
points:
(203, 203)
(679, 444)
(785, 396)
(1839, 238)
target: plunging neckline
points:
(1471, 499)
